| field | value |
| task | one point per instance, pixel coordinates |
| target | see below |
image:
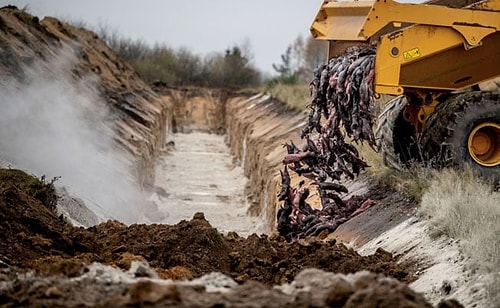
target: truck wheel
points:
(395, 136)
(465, 131)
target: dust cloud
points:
(57, 125)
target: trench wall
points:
(256, 127)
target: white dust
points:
(56, 125)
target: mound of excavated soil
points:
(34, 238)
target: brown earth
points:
(35, 239)
(45, 261)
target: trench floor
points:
(199, 175)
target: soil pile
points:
(98, 288)
(34, 238)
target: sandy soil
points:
(442, 270)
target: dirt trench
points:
(46, 261)
(255, 127)
(198, 174)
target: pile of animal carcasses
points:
(341, 105)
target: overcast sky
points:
(203, 26)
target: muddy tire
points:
(395, 136)
(449, 131)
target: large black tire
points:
(446, 134)
(396, 137)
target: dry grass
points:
(412, 182)
(463, 207)
(373, 158)
(295, 96)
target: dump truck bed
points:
(419, 46)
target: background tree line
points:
(230, 68)
(299, 60)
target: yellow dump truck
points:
(434, 58)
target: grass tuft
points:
(412, 182)
(295, 96)
(38, 188)
(462, 206)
